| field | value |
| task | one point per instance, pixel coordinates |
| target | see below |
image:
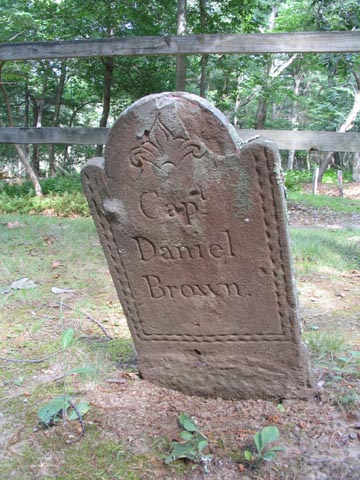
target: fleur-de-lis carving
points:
(160, 147)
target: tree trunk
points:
(56, 116)
(204, 57)
(20, 151)
(108, 78)
(346, 126)
(261, 113)
(38, 111)
(27, 113)
(294, 115)
(30, 171)
(356, 167)
(272, 71)
(181, 59)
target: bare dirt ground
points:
(301, 216)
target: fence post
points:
(340, 183)
(315, 180)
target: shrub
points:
(294, 178)
(65, 205)
(59, 184)
(62, 197)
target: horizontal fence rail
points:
(285, 139)
(254, 43)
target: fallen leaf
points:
(58, 291)
(15, 224)
(116, 380)
(23, 283)
(273, 418)
(129, 375)
(56, 264)
(49, 239)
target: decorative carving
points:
(199, 254)
(160, 147)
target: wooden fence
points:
(309, 42)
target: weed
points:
(264, 450)
(324, 346)
(192, 445)
(63, 406)
(340, 367)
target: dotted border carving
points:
(112, 251)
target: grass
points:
(65, 252)
(316, 250)
(337, 204)
(340, 364)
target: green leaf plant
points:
(192, 444)
(62, 406)
(264, 450)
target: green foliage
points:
(341, 366)
(63, 196)
(60, 184)
(193, 443)
(67, 204)
(330, 176)
(295, 178)
(324, 346)
(52, 411)
(63, 406)
(262, 441)
(81, 409)
(67, 338)
(338, 204)
(316, 250)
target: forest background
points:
(279, 91)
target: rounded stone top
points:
(148, 122)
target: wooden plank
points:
(305, 140)
(285, 139)
(297, 42)
(54, 135)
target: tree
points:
(181, 59)
(20, 151)
(347, 125)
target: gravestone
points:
(194, 230)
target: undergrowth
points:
(295, 178)
(316, 250)
(62, 205)
(327, 203)
(63, 196)
(340, 367)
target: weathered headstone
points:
(194, 230)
